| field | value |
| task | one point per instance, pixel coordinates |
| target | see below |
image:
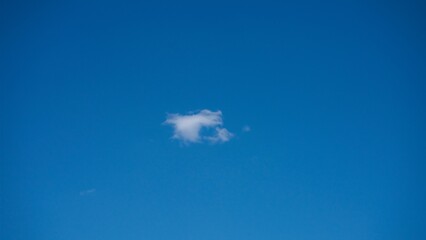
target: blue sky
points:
(212, 120)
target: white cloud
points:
(188, 128)
(221, 135)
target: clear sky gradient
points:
(333, 94)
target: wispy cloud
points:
(189, 128)
(87, 192)
(246, 128)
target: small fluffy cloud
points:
(221, 135)
(188, 128)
